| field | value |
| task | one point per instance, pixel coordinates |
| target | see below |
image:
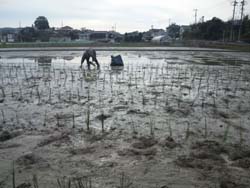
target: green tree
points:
(174, 31)
(41, 23)
(245, 32)
(27, 34)
(210, 30)
(214, 29)
(133, 37)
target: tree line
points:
(213, 30)
(41, 31)
(216, 29)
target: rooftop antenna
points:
(195, 15)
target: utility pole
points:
(243, 3)
(232, 27)
(195, 15)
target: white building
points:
(183, 29)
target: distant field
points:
(202, 44)
(75, 44)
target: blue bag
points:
(116, 61)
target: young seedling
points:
(31, 93)
(88, 111)
(88, 118)
(125, 181)
(143, 99)
(17, 119)
(152, 127)
(136, 82)
(102, 120)
(72, 76)
(188, 130)
(35, 181)
(84, 182)
(66, 183)
(57, 120)
(13, 175)
(170, 129)
(78, 94)
(38, 95)
(3, 92)
(70, 96)
(59, 95)
(12, 92)
(132, 97)
(49, 95)
(226, 132)
(104, 82)
(3, 117)
(20, 93)
(241, 133)
(73, 119)
(45, 118)
(133, 127)
(206, 133)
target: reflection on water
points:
(131, 59)
(166, 85)
(68, 58)
(90, 75)
(117, 69)
(44, 62)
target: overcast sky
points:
(127, 15)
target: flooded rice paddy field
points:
(165, 119)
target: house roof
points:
(66, 28)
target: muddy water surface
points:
(185, 111)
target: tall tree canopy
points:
(174, 31)
(216, 29)
(27, 34)
(41, 23)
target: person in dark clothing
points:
(90, 53)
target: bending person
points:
(90, 53)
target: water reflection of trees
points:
(68, 58)
(44, 62)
